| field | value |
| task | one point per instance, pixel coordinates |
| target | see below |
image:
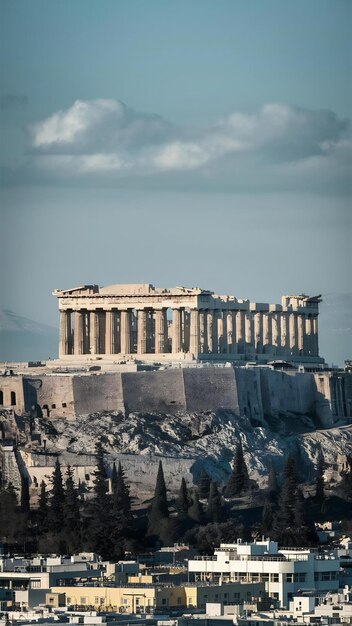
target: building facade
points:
(145, 322)
(284, 572)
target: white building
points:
(284, 571)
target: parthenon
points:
(144, 322)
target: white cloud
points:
(104, 137)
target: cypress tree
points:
(196, 511)
(72, 514)
(25, 495)
(215, 511)
(113, 478)
(159, 508)
(43, 508)
(319, 480)
(122, 519)
(183, 501)
(284, 524)
(267, 517)
(123, 492)
(101, 523)
(273, 486)
(239, 479)
(57, 499)
(204, 485)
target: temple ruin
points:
(147, 323)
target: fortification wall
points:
(161, 391)
(210, 389)
(11, 393)
(249, 393)
(53, 394)
(253, 392)
(98, 392)
(286, 392)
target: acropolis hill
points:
(178, 374)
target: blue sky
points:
(191, 142)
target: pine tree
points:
(204, 485)
(113, 478)
(215, 511)
(159, 509)
(239, 479)
(196, 511)
(183, 501)
(72, 514)
(57, 499)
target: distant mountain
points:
(22, 339)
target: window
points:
(53, 406)
(163, 601)
(68, 601)
(179, 600)
(300, 577)
(83, 600)
(274, 578)
(125, 601)
(1, 397)
(289, 578)
(64, 405)
(35, 584)
(316, 576)
(13, 398)
(138, 600)
(96, 600)
(101, 600)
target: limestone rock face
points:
(187, 443)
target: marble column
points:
(267, 332)
(315, 336)
(258, 332)
(125, 332)
(210, 334)
(222, 332)
(215, 332)
(63, 342)
(176, 331)
(308, 336)
(300, 333)
(94, 332)
(160, 330)
(194, 332)
(293, 333)
(285, 336)
(249, 332)
(240, 331)
(109, 332)
(142, 331)
(203, 343)
(276, 318)
(78, 333)
(231, 331)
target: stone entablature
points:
(139, 319)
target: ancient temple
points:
(148, 323)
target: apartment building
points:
(283, 571)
